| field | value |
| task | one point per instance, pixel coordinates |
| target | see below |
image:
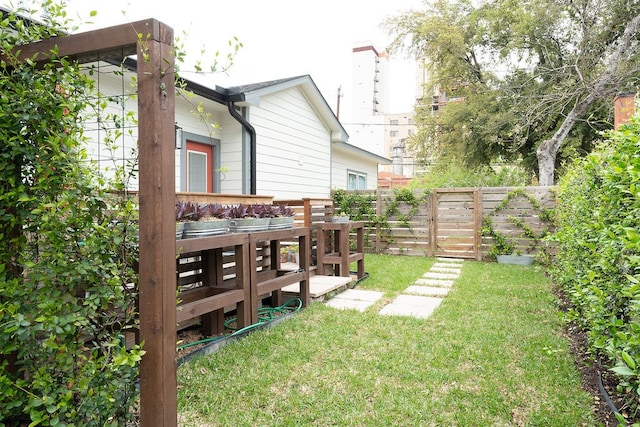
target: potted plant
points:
(185, 211)
(504, 249)
(282, 217)
(211, 220)
(284, 254)
(290, 253)
(248, 218)
(340, 217)
(294, 254)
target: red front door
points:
(199, 167)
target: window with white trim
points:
(198, 171)
(356, 180)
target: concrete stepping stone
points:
(434, 282)
(444, 276)
(320, 285)
(429, 291)
(411, 305)
(436, 269)
(354, 299)
(450, 260)
(445, 265)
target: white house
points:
(278, 138)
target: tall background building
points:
(370, 87)
(373, 126)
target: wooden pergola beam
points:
(118, 41)
(152, 42)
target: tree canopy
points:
(534, 80)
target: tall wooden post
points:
(157, 280)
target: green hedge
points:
(598, 258)
(67, 282)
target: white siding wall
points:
(293, 147)
(109, 84)
(294, 158)
(228, 131)
(344, 160)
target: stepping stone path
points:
(418, 300)
(355, 299)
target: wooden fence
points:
(449, 222)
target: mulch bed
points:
(594, 376)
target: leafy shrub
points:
(67, 283)
(598, 249)
(451, 174)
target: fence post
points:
(378, 211)
(433, 223)
(479, 213)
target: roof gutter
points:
(252, 145)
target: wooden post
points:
(306, 209)
(479, 213)
(379, 210)
(429, 218)
(157, 280)
(433, 229)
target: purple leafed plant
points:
(238, 211)
(186, 211)
(213, 210)
(282, 210)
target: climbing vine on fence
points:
(361, 206)
(507, 245)
(66, 264)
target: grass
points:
(493, 353)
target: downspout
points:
(252, 145)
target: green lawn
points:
(493, 353)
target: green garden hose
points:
(265, 314)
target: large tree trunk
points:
(548, 150)
(604, 85)
(546, 164)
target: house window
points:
(393, 122)
(356, 180)
(393, 133)
(410, 132)
(410, 121)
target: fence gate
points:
(456, 223)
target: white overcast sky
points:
(281, 38)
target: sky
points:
(281, 38)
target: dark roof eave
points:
(208, 93)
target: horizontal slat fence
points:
(414, 235)
(519, 208)
(409, 229)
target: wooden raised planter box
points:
(271, 280)
(252, 282)
(333, 248)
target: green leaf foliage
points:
(503, 75)
(67, 286)
(598, 241)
